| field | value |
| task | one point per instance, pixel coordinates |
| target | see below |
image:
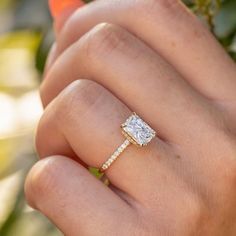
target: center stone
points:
(138, 130)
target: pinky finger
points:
(74, 200)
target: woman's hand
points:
(155, 58)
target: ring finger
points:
(86, 117)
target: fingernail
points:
(57, 7)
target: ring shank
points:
(115, 155)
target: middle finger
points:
(138, 76)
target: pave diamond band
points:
(115, 155)
(137, 132)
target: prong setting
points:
(137, 130)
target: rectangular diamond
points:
(138, 130)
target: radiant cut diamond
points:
(138, 130)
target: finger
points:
(74, 200)
(147, 84)
(88, 117)
(170, 29)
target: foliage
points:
(221, 18)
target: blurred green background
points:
(25, 38)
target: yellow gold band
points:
(115, 155)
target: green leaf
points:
(225, 21)
(43, 50)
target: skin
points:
(157, 59)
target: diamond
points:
(138, 130)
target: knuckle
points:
(45, 126)
(45, 129)
(68, 108)
(103, 39)
(41, 181)
(77, 99)
(152, 7)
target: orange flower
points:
(59, 6)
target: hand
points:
(154, 58)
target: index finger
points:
(169, 28)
